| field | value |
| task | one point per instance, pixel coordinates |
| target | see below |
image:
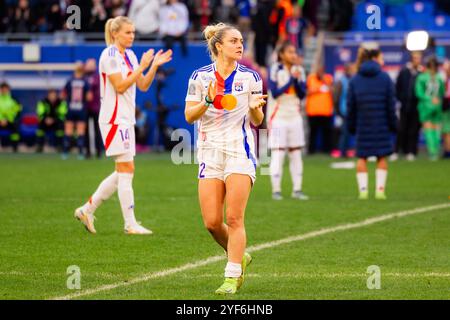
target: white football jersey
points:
(228, 131)
(117, 108)
(287, 105)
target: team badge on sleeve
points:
(192, 90)
(113, 64)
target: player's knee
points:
(125, 167)
(213, 226)
(235, 221)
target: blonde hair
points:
(214, 34)
(114, 25)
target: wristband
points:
(208, 102)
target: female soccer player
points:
(284, 121)
(76, 92)
(120, 73)
(371, 115)
(224, 97)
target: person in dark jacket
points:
(409, 126)
(371, 116)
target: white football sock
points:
(126, 197)
(276, 169)
(233, 270)
(381, 177)
(296, 168)
(363, 180)
(105, 190)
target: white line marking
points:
(328, 275)
(59, 275)
(210, 260)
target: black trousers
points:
(14, 136)
(43, 129)
(261, 52)
(169, 40)
(98, 142)
(324, 125)
(408, 131)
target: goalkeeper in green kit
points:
(430, 93)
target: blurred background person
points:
(10, 111)
(371, 116)
(409, 124)
(21, 18)
(93, 135)
(280, 14)
(51, 112)
(98, 16)
(430, 93)
(244, 20)
(296, 27)
(341, 91)
(285, 123)
(201, 13)
(262, 29)
(174, 24)
(117, 8)
(446, 113)
(145, 15)
(319, 108)
(76, 93)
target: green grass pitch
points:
(40, 239)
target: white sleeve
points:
(111, 65)
(256, 87)
(273, 73)
(194, 92)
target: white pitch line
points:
(328, 275)
(267, 245)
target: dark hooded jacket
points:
(371, 111)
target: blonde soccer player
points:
(284, 120)
(223, 98)
(120, 74)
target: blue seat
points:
(395, 10)
(420, 22)
(394, 23)
(441, 22)
(420, 8)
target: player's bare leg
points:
(211, 194)
(238, 187)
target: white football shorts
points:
(119, 141)
(214, 163)
(286, 134)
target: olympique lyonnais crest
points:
(238, 86)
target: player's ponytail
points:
(365, 54)
(114, 25)
(214, 34)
